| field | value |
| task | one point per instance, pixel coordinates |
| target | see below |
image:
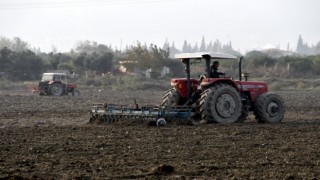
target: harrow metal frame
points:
(110, 113)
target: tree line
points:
(294, 66)
(302, 48)
(216, 46)
(19, 62)
(25, 64)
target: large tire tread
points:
(208, 98)
(171, 98)
(261, 106)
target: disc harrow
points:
(154, 115)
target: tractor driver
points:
(214, 73)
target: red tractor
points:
(56, 84)
(223, 100)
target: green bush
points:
(108, 81)
(301, 84)
(93, 82)
(275, 86)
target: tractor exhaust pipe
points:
(240, 68)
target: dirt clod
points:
(163, 170)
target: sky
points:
(248, 24)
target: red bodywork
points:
(69, 85)
(181, 85)
(255, 89)
(72, 86)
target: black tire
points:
(220, 104)
(171, 98)
(269, 108)
(56, 89)
(75, 93)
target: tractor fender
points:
(208, 82)
(55, 82)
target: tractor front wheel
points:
(171, 98)
(269, 108)
(220, 104)
(75, 93)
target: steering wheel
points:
(222, 75)
(225, 76)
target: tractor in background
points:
(56, 84)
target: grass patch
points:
(126, 83)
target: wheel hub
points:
(272, 109)
(225, 105)
(56, 89)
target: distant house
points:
(144, 73)
(148, 73)
(122, 69)
(273, 52)
(165, 70)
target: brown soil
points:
(49, 138)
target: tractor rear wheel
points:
(56, 89)
(171, 98)
(269, 108)
(220, 104)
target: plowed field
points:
(49, 138)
